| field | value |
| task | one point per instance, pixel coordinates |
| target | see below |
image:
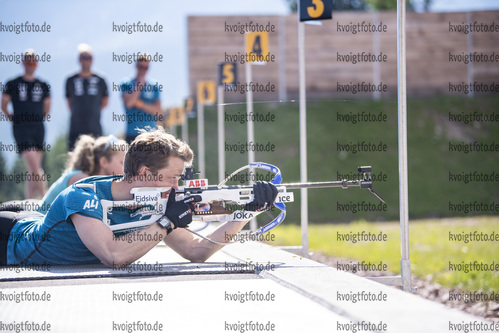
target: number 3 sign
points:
(316, 10)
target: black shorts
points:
(29, 137)
(7, 222)
(74, 134)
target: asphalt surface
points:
(250, 287)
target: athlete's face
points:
(165, 177)
(114, 166)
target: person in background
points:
(90, 157)
(87, 95)
(142, 102)
(30, 99)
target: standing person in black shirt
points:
(30, 99)
(87, 95)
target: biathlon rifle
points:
(226, 203)
(223, 202)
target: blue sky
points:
(74, 22)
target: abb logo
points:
(197, 183)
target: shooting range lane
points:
(308, 296)
(159, 261)
(336, 291)
(208, 305)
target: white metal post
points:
(221, 134)
(303, 140)
(201, 160)
(405, 262)
(282, 60)
(376, 51)
(185, 129)
(173, 130)
(251, 130)
(469, 49)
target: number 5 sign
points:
(227, 74)
(316, 10)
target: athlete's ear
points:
(103, 163)
(143, 173)
(143, 170)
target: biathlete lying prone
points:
(73, 231)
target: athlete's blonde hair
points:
(88, 151)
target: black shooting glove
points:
(180, 212)
(264, 196)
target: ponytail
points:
(82, 157)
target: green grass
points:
(430, 247)
(429, 158)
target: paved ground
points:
(248, 287)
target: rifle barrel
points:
(293, 186)
(340, 183)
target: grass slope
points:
(433, 248)
(430, 131)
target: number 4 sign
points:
(316, 10)
(257, 46)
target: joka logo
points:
(242, 215)
(91, 204)
(197, 183)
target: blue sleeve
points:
(156, 93)
(82, 201)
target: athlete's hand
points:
(180, 212)
(264, 196)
